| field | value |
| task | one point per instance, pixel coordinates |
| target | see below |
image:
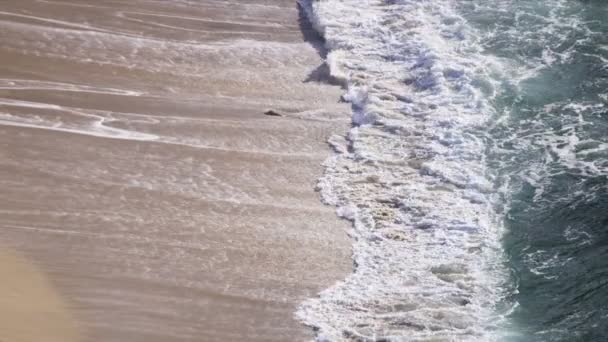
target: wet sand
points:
(151, 197)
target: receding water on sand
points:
(138, 170)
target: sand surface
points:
(145, 193)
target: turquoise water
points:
(549, 148)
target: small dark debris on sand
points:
(272, 113)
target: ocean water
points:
(474, 173)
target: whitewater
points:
(475, 173)
(411, 175)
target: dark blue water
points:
(549, 148)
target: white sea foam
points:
(100, 123)
(16, 84)
(411, 176)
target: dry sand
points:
(138, 176)
(31, 309)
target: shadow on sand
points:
(320, 74)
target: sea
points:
(474, 173)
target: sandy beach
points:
(144, 195)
